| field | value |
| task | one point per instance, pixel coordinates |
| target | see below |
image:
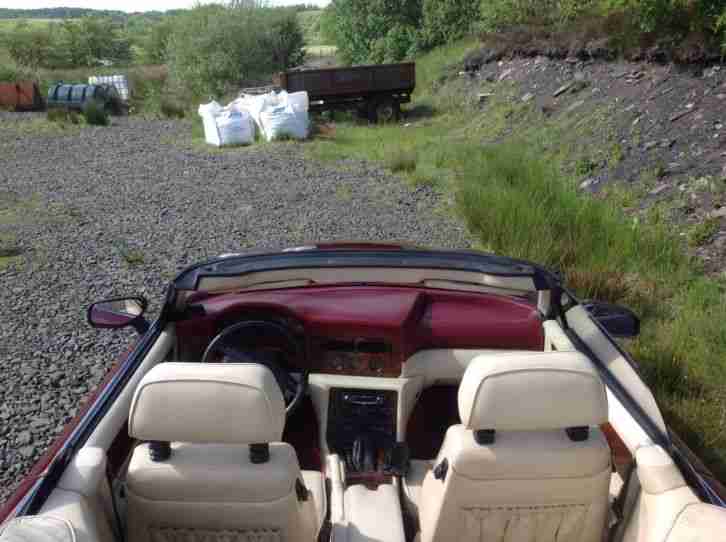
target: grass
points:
(13, 212)
(132, 256)
(702, 232)
(401, 160)
(55, 123)
(512, 174)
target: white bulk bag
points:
(284, 121)
(226, 126)
(299, 101)
(277, 115)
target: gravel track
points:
(86, 204)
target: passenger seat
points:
(215, 467)
(528, 462)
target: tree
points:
(362, 28)
(214, 49)
(29, 45)
(157, 41)
(447, 20)
(285, 40)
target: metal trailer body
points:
(376, 91)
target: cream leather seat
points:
(215, 469)
(528, 461)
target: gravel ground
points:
(117, 210)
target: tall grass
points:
(511, 174)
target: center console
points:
(364, 457)
(361, 428)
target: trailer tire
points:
(387, 111)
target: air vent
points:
(338, 345)
(367, 346)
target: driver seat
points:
(215, 468)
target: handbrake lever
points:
(397, 460)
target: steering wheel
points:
(241, 343)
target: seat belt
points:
(624, 504)
(120, 531)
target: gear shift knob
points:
(363, 454)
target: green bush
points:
(69, 44)
(172, 109)
(95, 113)
(374, 30)
(670, 20)
(447, 20)
(156, 42)
(215, 49)
(398, 43)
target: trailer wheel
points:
(387, 111)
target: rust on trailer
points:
(21, 96)
(378, 89)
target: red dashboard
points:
(372, 330)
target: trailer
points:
(376, 92)
(21, 96)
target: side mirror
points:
(119, 312)
(617, 320)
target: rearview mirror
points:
(617, 320)
(119, 312)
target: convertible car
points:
(368, 393)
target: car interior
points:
(373, 413)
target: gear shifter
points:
(363, 456)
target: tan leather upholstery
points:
(412, 484)
(170, 404)
(373, 515)
(533, 482)
(698, 523)
(531, 391)
(209, 487)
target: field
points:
(7, 24)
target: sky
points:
(127, 5)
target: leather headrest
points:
(232, 403)
(533, 391)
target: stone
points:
(24, 437)
(680, 114)
(38, 422)
(588, 183)
(650, 145)
(658, 190)
(506, 73)
(564, 88)
(718, 213)
(575, 105)
(527, 97)
(27, 451)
